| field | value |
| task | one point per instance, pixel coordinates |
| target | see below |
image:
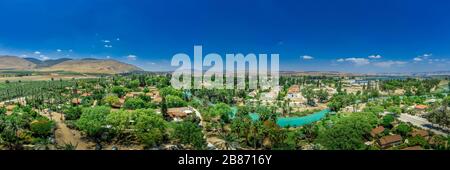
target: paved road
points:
(420, 122)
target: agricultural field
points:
(15, 76)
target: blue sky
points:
(347, 35)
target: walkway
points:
(65, 135)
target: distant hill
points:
(318, 73)
(86, 65)
(15, 63)
(46, 63)
(93, 66)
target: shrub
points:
(134, 103)
(41, 127)
(73, 113)
(2, 110)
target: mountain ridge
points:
(84, 65)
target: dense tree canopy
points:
(93, 121)
(189, 133)
(348, 133)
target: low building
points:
(118, 104)
(76, 101)
(391, 140)
(421, 107)
(413, 148)
(133, 94)
(293, 92)
(419, 132)
(10, 107)
(376, 131)
(86, 94)
(154, 94)
(298, 101)
(253, 94)
(179, 112)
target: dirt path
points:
(65, 135)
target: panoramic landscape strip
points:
(255, 83)
(137, 110)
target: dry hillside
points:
(93, 66)
(15, 63)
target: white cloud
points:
(106, 41)
(307, 57)
(43, 57)
(422, 57)
(108, 57)
(417, 59)
(108, 46)
(24, 55)
(375, 56)
(389, 63)
(131, 57)
(58, 50)
(358, 61)
(341, 60)
(37, 52)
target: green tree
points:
(118, 90)
(395, 109)
(174, 101)
(190, 134)
(403, 129)
(150, 127)
(418, 141)
(387, 120)
(120, 121)
(170, 91)
(42, 127)
(2, 110)
(111, 99)
(10, 126)
(221, 110)
(133, 84)
(93, 121)
(348, 133)
(73, 113)
(134, 103)
(309, 95)
(322, 95)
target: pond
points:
(300, 121)
(292, 121)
